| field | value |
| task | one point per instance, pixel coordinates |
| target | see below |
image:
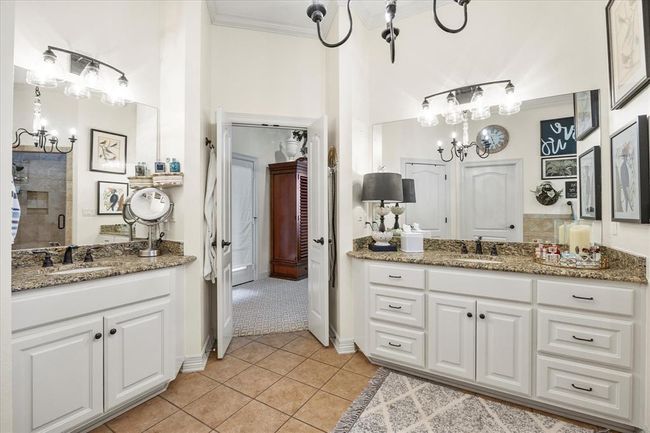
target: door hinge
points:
(445, 177)
(445, 219)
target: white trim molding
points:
(342, 346)
(198, 362)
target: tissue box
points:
(412, 242)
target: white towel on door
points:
(209, 211)
(15, 212)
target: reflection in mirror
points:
(58, 192)
(525, 190)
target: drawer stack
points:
(585, 347)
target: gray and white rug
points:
(269, 305)
(395, 402)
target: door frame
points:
(427, 161)
(519, 191)
(252, 160)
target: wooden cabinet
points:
(289, 238)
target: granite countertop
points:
(34, 277)
(507, 263)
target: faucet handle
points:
(47, 259)
(478, 238)
(493, 250)
(463, 248)
(89, 255)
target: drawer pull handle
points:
(390, 343)
(395, 307)
(397, 277)
(581, 388)
(584, 298)
(590, 340)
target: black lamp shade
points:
(382, 186)
(408, 188)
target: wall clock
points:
(496, 136)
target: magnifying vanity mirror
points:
(150, 207)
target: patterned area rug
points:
(268, 306)
(395, 402)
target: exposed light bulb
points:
(54, 133)
(43, 123)
(73, 132)
(454, 114)
(439, 144)
(90, 76)
(480, 109)
(427, 117)
(46, 73)
(511, 103)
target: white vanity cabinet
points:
(86, 350)
(567, 345)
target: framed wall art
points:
(559, 168)
(628, 49)
(557, 137)
(571, 189)
(111, 197)
(586, 113)
(590, 184)
(107, 152)
(630, 173)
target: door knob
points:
(512, 226)
(482, 316)
(113, 331)
(470, 315)
(98, 336)
(224, 244)
(320, 241)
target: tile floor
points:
(285, 383)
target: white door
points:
(318, 251)
(223, 205)
(244, 218)
(491, 197)
(503, 346)
(431, 207)
(138, 351)
(451, 335)
(58, 376)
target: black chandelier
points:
(460, 149)
(317, 11)
(47, 141)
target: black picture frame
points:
(595, 114)
(597, 191)
(616, 103)
(557, 137)
(571, 188)
(545, 161)
(640, 126)
(91, 165)
(99, 196)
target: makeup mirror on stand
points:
(150, 207)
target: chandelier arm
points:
(17, 134)
(445, 28)
(342, 41)
(451, 156)
(392, 42)
(92, 59)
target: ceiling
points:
(290, 16)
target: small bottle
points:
(174, 166)
(160, 167)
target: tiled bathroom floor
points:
(286, 383)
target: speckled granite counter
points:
(623, 267)
(110, 260)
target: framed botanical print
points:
(111, 197)
(628, 49)
(107, 152)
(559, 168)
(557, 137)
(631, 172)
(590, 185)
(585, 109)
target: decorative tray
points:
(576, 264)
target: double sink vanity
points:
(92, 339)
(569, 341)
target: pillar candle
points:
(579, 236)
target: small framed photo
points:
(559, 168)
(586, 114)
(571, 189)
(590, 185)
(111, 197)
(628, 49)
(631, 173)
(107, 152)
(557, 137)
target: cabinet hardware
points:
(470, 315)
(581, 388)
(585, 298)
(98, 336)
(113, 331)
(590, 340)
(397, 277)
(395, 307)
(390, 343)
(482, 316)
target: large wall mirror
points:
(77, 197)
(519, 193)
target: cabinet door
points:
(451, 335)
(139, 352)
(57, 376)
(503, 346)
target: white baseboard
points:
(342, 346)
(198, 362)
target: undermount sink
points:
(80, 270)
(479, 261)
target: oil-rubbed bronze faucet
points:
(479, 245)
(47, 258)
(67, 256)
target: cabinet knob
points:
(470, 315)
(511, 226)
(113, 331)
(98, 336)
(482, 316)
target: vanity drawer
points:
(398, 344)
(588, 297)
(402, 306)
(584, 387)
(588, 338)
(401, 276)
